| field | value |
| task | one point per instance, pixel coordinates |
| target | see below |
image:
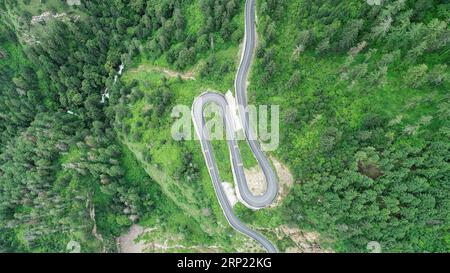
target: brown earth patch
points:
(285, 180)
(369, 170)
(257, 182)
(134, 241)
(129, 243)
(304, 241)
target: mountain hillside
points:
(87, 97)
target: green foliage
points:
(39, 207)
(365, 120)
(362, 123)
(75, 60)
(20, 97)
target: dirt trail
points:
(189, 75)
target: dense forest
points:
(365, 95)
(363, 91)
(62, 169)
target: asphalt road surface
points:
(251, 200)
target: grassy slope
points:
(179, 207)
(166, 153)
(166, 215)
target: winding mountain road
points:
(244, 192)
